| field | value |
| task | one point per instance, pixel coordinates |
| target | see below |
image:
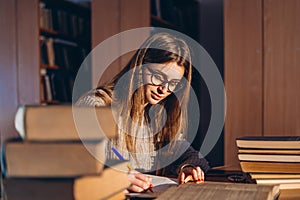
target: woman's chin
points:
(153, 101)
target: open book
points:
(221, 190)
(160, 184)
(168, 188)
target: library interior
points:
(251, 123)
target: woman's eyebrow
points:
(158, 72)
(164, 75)
(176, 80)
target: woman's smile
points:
(156, 96)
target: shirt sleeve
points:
(193, 157)
(186, 155)
(96, 98)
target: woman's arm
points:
(189, 163)
(192, 157)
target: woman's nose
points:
(163, 88)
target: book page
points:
(215, 190)
(160, 184)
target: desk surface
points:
(222, 174)
(293, 194)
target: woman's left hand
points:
(190, 173)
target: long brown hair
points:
(158, 48)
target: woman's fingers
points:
(200, 175)
(139, 181)
(181, 177)
(135, 188)
(194, 174)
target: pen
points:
(150, 188)
(121, 157)
(128, 165)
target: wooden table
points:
(226, 173)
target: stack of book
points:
(52, 160)
(271, 160)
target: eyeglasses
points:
(159, 79)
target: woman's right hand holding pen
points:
(139, 182)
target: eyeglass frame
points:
(164, 82)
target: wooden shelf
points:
(48, 31)
(65, 41)
(47, 66)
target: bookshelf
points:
(21, 78)
(187, 16)
(203, 22)
(20, 61)
(178, 15)
(65, 41)
(166, 14)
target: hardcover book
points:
(269, 158)
(270, 167)
(57, 123)
(269, 142)
(93, 187)
(269, 151)
(51, 159)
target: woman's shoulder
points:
(96, 97)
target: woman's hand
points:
(139, 182)
(190, 173)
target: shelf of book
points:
(65, 41)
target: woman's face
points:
(160, 80)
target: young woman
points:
(150, 95)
